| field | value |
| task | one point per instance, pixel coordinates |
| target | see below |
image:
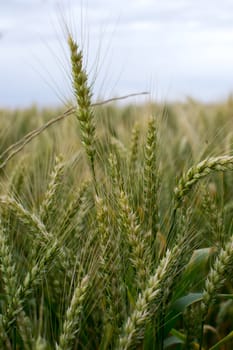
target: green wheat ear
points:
(48, 204)
(199, 171)
(151, 180)
(83, 95)
(71, 325)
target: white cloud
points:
(183, 44)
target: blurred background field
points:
(188, 133)
(198, 128)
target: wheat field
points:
(116, 224)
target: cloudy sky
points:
(172, 48)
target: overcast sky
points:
(172, 48)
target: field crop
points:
(116, 224)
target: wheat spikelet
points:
(115, 175)
(214, 216)
(131, 232)
(133, 152)
(7, 266)
(36, 273)
(11, 287)
(119, 147)
(113, 171)
(72, 321)
(49, 203)
(146, 306)
(217, 275)
(150, 185)
(199, 171)
(35, 226)
(9, 276)
(214, 281)
(31, 280)
(26, 217)
(25, 330)
(42, 238)
(83, 96)
(17, 178)
(75, 205)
